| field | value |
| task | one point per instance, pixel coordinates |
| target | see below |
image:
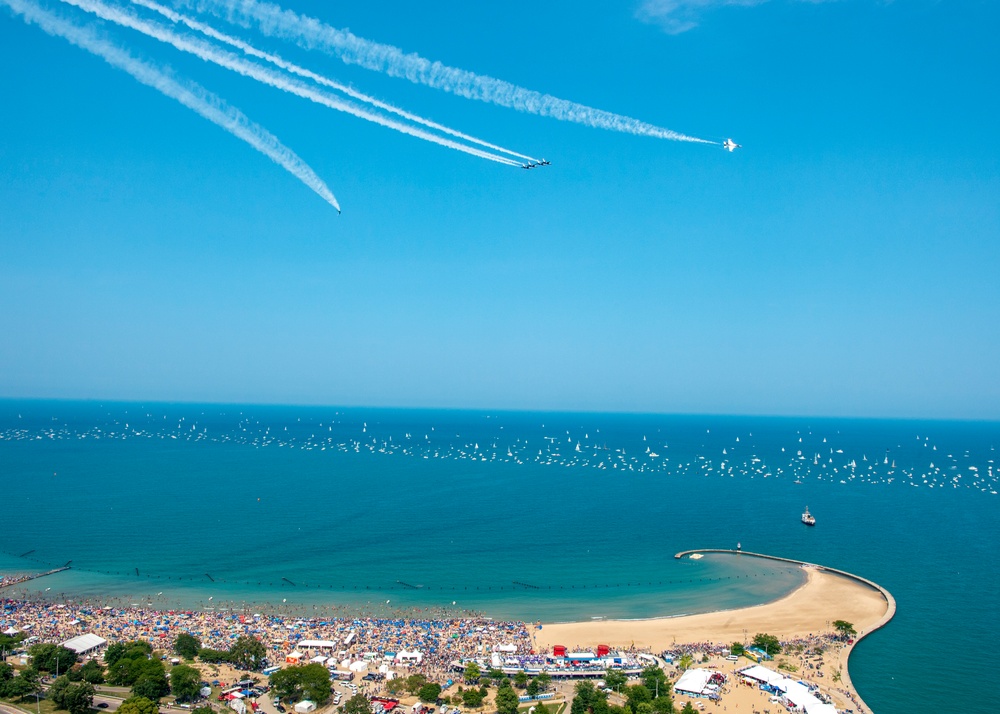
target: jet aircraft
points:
(731, 145)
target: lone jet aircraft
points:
(731, 145)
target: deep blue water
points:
(535, 516)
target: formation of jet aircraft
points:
(543, 162)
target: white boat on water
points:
(808, 518)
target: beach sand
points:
(807, 610)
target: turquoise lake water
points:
(536, 516)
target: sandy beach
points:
(804, 613)
(808, 610)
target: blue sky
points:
(844, 262)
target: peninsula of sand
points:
(806, 612)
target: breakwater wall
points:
(890, 601)
(21, 581)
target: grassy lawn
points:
(557, 707)
(28, 705)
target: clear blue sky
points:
(845, 262)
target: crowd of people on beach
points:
(440, 640)
(9, 580)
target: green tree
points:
(429, 692)
(56, 690)
(187, 645)
(615, 679)
(532, 689)
(768, 643)
(662, 704)
(248, 653)
(74, 674)
(521, 679)
(203, 709)
(151, 685)
(414, 682)
(80, 698)
(685, 662)
(654, 679)
(689, 709)
(9, 643)
(316, 684)
(473, 697)
(472, 672)
(638, 694)
(185, 683)
(588, 699)
(26, 683)
(127, 650)
(544, 679)
(138, 705)
(311, 682)
(644, 708)
(396, 686)
(114, 652)
(358, 704)
(210, 656)
(737, 649)
(92, 672)
(506, 701)
(52, 658)
(540, 707)
(74, 698)
(496, 675)
(844, 628)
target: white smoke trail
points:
(228, 60)
(191, 95)
(310, 33)
(252, 51)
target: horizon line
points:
(503, 410)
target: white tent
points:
(505, 648)
(798, 694)
(359, 666)
(765, 675)
(414, 656)
(84, 643)
(317, 644)
(11, 631)
(694, 682)
(305, 706)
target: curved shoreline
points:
(889, 600)
(806, 609)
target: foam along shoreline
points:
(826, 595)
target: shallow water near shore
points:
(550, 517)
